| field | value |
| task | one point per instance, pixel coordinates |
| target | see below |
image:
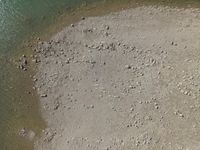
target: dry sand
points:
(125, 81)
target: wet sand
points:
(126, 80)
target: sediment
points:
(127, 80)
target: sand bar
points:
(127, 80)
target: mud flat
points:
(127, 80)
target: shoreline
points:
(125, 80)
(30, 129)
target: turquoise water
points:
(18, 18)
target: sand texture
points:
(125, 81)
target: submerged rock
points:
(27, 134)
(23, 63)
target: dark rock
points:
(23, 63)
(43, 95)
(22, 132)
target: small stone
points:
(22, 132)
(85, 45)
(72, 25)
(176, 113)
(44, 95)
(128, 67)
(181, 115)
(67, 61)
(56, 106)
(107, 27)
(25, 69)
(132, 109)
(106, 34)
(140, 102)
(35, 79)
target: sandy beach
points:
(125, 81)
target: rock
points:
(22, 132)
(35, 79)
(156, 106)
(72, 25)
(28, 134)
(181, 115)
(43, 95)
(56, 106)
(67, 61)
(127, 66)
(106, 34)
(36, 60)
(23, 63)
(107, 27)
(25, 69)
(49, 135)
(131, 109)
(85, 45)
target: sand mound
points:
(128, 80)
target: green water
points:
(20, 20)
(19, 106)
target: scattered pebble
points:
(43, 95)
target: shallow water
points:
(19, 20)
(19, 108)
